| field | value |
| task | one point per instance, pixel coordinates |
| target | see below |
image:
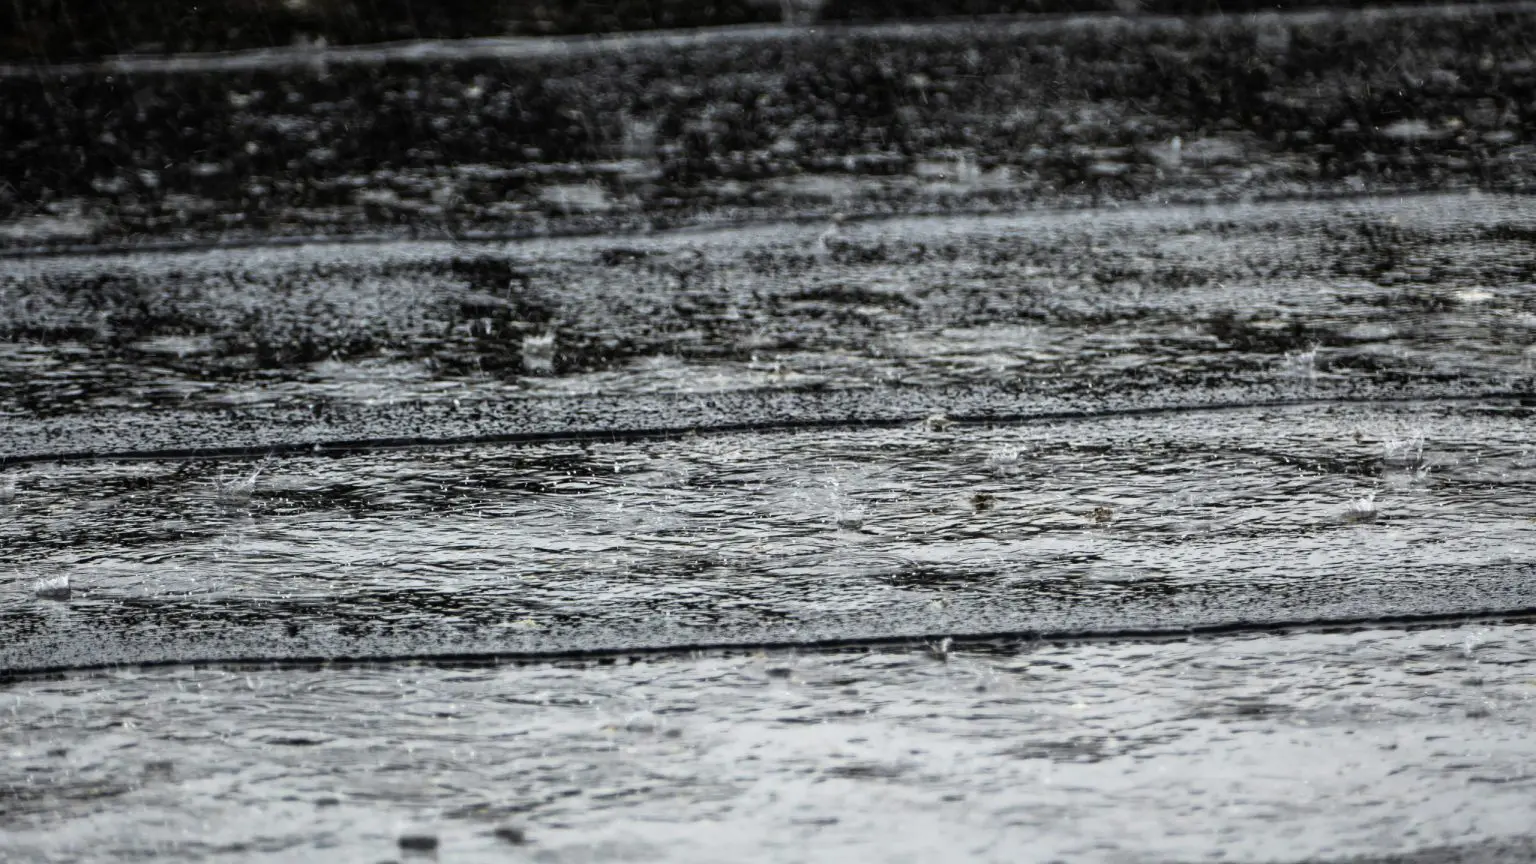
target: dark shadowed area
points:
(61, 30)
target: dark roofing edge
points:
(473, 45)
(939, 644)
(346, 447)
(470, 239)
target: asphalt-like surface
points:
(701, 405)
(780, 397)
(885, 321)
(1111, 526)
(648, 131)
(1367, 746)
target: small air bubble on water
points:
(538, 354)
(1362, 509)
(1408, 450)
(1300, 364)
(53, 587)
(237, 490)
(1004, 461)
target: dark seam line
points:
(381, 53)
(1003, 640)
(641, 232)
(353, 446)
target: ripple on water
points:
(1248, 744)
(1182, 517)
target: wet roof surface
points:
(1364, 746)
(1103, 436)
